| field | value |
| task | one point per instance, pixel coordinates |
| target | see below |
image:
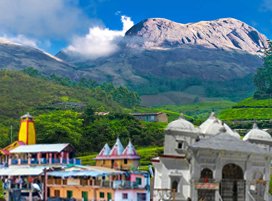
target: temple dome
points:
(257, 134)
(213, 126)
(181, 125)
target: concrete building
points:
(99, 183)
(211, 162)
(151, 117)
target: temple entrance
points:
(232, 186)
(206, 186)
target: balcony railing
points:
(44, 161)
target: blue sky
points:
(56, 24)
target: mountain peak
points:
(223, 33)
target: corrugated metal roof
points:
(36, 148)
(83, 173)
(224, 141)
(21, 171)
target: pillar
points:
(50, 158)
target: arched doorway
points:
(232, 187)
(206, 178)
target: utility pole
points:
(11, 134)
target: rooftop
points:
(42, 148)
(226, 142)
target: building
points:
(151, 117)
(118, 157)
(211, 162)
(115, 177)
(24, 163)
(98, 183)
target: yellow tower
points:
(27, 133)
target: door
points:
(85, 196)
(109, 196)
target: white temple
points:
(212, 162)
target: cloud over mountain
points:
(100, 41)
(54, 18)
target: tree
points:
(263, 78)
(59, 127)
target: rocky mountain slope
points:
(17, 56)
(225, 33)
(158, 55)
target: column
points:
(39, 158)
(61, 157)
(50, 158)
(67, 157)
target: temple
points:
(118, 157)
(212, 162)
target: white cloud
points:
(20, 39)
(99, 41)
(39, 18)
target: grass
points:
(195, 112)
(249, 109)
(146, 154)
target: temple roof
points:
(117, 148)
(257, 134)
(226, 142)
(118, 152)
(130, 151)
(213, 125)
(105, 151)
(181, 124)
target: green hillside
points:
(249, 109)
(196, 112)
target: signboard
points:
(208, 186)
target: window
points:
(83, 182)
(101, 194)
(64, 182)
(69, 194)
(125, 196)
(56, 193)
(139, 181)
(125, 161)
(141, 196)
(180, 145)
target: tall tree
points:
(263, 78)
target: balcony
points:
(125, 185)
(44, 161)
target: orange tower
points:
(27, 133)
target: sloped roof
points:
(105, 150)
(7, 149)
(226, 142)
(42, 148)
(130, 151)
(117, 148)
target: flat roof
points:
(22, 171)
